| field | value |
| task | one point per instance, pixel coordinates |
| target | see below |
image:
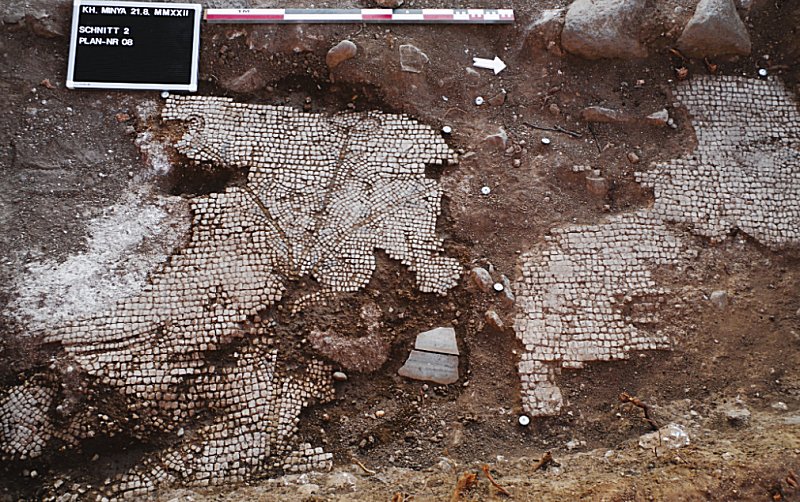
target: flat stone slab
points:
(442, 340)
(438, 368)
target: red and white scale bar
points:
(409, 16)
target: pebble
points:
(412, 59)
(498, 99)
(633, 158)
(340, 376)
(719, 299)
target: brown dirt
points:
(751, 350)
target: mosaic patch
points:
(589, 294)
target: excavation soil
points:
(67, 155)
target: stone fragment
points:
(780, 406)
(498, 139)
(363, 354)
(340, 376)
(481, 277)
(507, 295)
(737, 415)
(498, 99)
(339, 53)
(599, 29)
(412, 59)
(427, 366)
(442, 340)
(493, 320)
(633, 158)
(715, 30)
(719, 299)
(603, 114)
(659, 118)
(249, 81)
(597, 186)
(671, 436)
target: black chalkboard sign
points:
(134, 45)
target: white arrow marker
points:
(495, 64)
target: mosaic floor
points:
(323, 192)
(589, 294)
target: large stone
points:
(597, 29)
(412, 59)
(438, 368)
(715, 30)
(341, 52)
(442, 340)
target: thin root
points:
(543, 462)
(465, 482)
(363, 467)
(493, 482)
(627, 398)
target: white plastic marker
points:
(388, 16)
(495, 64)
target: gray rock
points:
(249, 81)
(308, 490)
(715, 29)
(507, 295)
(604, 115)
(481, 277)
(672, 436)
(659, 118)
(598, 29)
(427, 366)
(493, 320)
(342, 481)
(45, 18)
(719, 299)
(737, 416)
(340, 53)
(780, 406)
(441, 340)
(412, 59)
